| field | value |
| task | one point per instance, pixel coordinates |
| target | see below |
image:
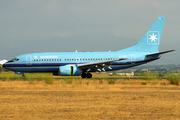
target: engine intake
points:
(68, 71)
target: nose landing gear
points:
(23, 76)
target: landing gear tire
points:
(89, 75)
(83, 75)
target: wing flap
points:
(98, 65)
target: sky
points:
(32, 26)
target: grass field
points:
(76, 98)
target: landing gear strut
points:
(88, 75)
(23, 76)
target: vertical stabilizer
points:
(151, 39)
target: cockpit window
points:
(14, 60)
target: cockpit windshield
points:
(14, 60)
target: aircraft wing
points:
(159, 53)
(98, 65)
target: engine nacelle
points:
(68, 71)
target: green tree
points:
(137, 71)
(5, 70)
(0, 69)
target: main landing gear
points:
(84, 75)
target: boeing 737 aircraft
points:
(82, 63)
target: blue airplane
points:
(82, 63)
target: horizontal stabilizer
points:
(160, 53)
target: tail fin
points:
(151, 40)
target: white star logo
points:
(153, 38)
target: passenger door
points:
(28, 60)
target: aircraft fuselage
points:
(50, 62)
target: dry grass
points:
(89, 99)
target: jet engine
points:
(68, 71)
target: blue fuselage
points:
(50, 62)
